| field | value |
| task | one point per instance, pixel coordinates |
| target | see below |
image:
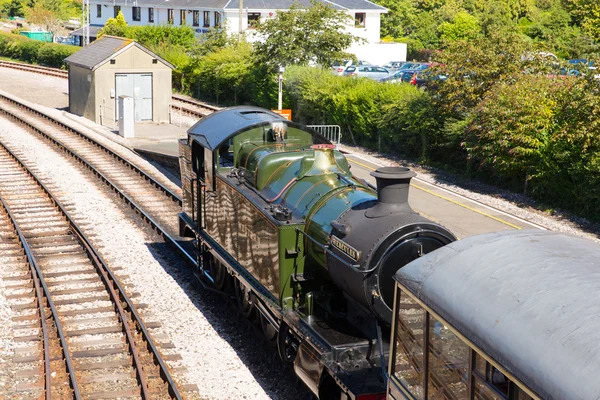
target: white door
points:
(138, 86)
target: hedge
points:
(35, 52)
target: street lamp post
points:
(280, 95)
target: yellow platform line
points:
(448, 199)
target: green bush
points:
(32, 51)
(372, 114)
(224, 75)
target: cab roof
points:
(529, 299)
(218, 127)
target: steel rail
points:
(127, 163)
(155, 225)
(109, 280)
(39, 279)
(182, 99)
(59, 73)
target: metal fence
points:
(107, 117)
(333, 133)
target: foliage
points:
(374, 114)
(160, 36)
(464, 26)
(299, 36)
(509, 131)
(116, 26)
(568, 28)
(50, 14)
(13, 8)
(223, 73)
(33, 51)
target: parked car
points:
(394, 65)
(422, 78)
(339, 66)
(366, 71)
(406, 73)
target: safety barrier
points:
(333, 133)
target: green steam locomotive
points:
(309, 249)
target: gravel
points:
(22, 82)
(222, 356)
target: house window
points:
(253, 19)
(217, 19)
(196, 18)
(206, 19)
(98, 10)
(117, 10)
(170, 16)
(182, 17)
(359, 20)
(151, 15)
(136, 14)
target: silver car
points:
(366, 71)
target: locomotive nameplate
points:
(344, 248)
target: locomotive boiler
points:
(309, 249)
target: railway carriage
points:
(309, 250)
(508, 315)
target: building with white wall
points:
(204, 14)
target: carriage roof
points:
(529, 299)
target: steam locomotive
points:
(309, 250)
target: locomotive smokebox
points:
(371, 241)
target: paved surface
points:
(464, 217)
(46, 90)
(158, 138)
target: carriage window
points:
(482, 391)
(408, 358)
(448, 363)
(488, 376)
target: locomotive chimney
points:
(393, 184)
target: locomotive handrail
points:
(327, 250)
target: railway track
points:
(157, 204)
(89, 340)
(184, 105)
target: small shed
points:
(111, 67)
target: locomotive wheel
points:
(287, 345)
(244, 300)
(219, 274)
(268, 330)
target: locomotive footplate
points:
(351, 358)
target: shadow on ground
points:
(277, 380)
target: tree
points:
(223, 73)
(13, 8)
(48, 17)
(464, 26)
(116, 26)
(587, 13)
(299, 36)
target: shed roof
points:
(529, 299)
(105, 48)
